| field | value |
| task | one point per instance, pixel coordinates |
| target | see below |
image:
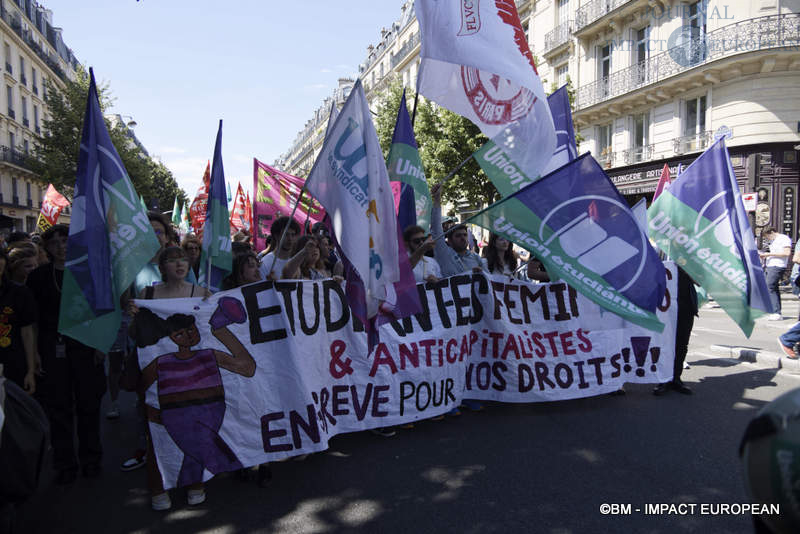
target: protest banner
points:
(275, 194)
(276, 368)
(52, 205)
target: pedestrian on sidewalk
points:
(776, 261)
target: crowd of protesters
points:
(69, 378)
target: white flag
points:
(350, 180)
(476, 62)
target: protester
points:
(454, 257)
(777, 258)
(18, 344)
(150, 273)
(23, 258)
(305, 260)
(536, 271)
(18, 237)
(192, 246)
(173, 266)
(687, 311)
(417, 243)
(73, 381)
(272, 263)
(244, 270)
(499, 257)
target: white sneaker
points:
(775, 317)
(195, 497)
(160, 502)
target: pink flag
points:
(663, 182)
(275, 195)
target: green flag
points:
(176, 213)
(216, 260)
(110, 238)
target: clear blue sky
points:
(178, 66)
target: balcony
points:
(763, 33)
(592, 11)
(15, 157)
(404, 51)
(607, 158)
(557, 37)
(693, 143)
(638, 154)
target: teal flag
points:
(405, 166)
(176, 213)
(575, 221)
(701, 222)
(216, 260)
(110, 237)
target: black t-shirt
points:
(45, 282)
(17, 310)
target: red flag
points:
(197, 211)
(249, 212)
(239, 211)
(663, 182)
(52, 205)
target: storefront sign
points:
(787, 222)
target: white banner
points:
(275, 369)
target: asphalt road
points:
(510, 468)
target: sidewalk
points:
(762, 347)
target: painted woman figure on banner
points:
(191, 395)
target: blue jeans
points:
(791, 337)
(774, 275)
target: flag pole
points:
(414, 111)
(286, 229)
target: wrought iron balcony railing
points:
(607, 158)
(763, 33)
(592, 11)
(638, 154)
(693, 143)
(557, 36)
(404, 50)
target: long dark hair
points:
(493, 259)
(150, 328)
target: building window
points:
(33, 81)
(28, 188)
(562, 72)
(11, 141)
(563, 11)
(22, 70)
(603, 68)
(640, 138)
(604, 143)
(695, 116)
(36, 118)
(25, 147)
(24, 105)
(7, 50)
(693, 36)
(14, 187)
(10, 99)
(641, 53)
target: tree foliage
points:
(56, 150)
(445, 139)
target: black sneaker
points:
(661, 389)
(680, 387)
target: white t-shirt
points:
(777, 246)
(426, 267)
(277, 267)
